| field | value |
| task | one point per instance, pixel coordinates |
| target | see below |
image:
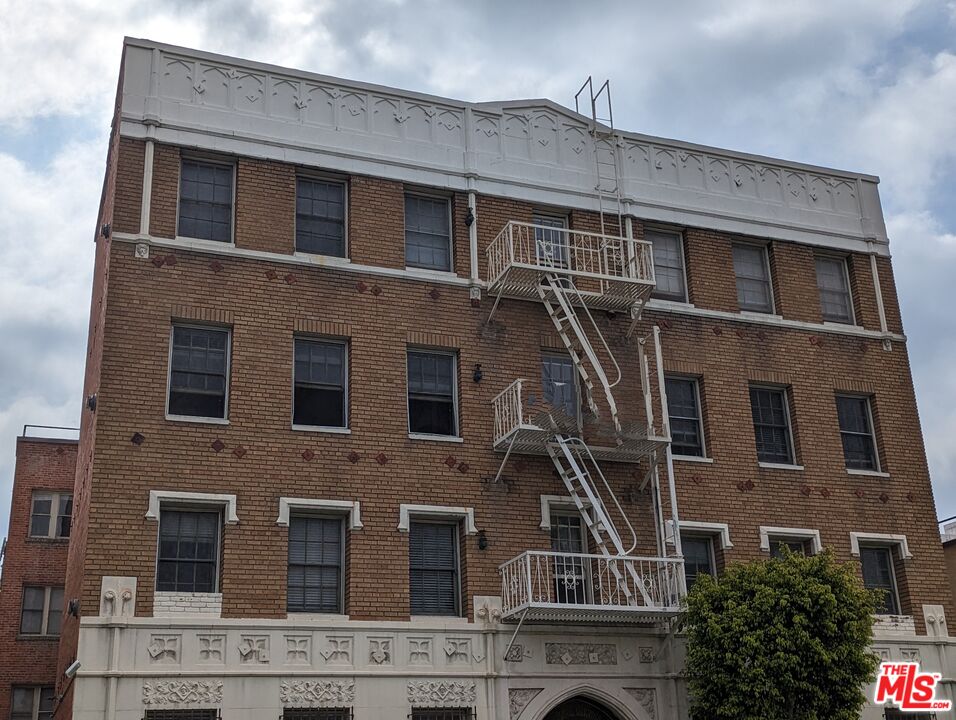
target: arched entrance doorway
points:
(580, 708)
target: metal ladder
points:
(559, 295)
(571, 458)
(608, 186)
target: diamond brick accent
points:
(271, 274)
(434, 294)
(170, 260)
(451, 461)
(376, 290)
(381, 458)
(138, 438)
(884, 498)
(463, 467)
(354, 457)
(361, 286)
(158, 261)
(218, 445)
(307, 455)
(859, 492)
(215, 266)
(239, 452)
(290, 279)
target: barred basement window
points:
(205, 201)
(51, 515)
(427, 232)
(317, 714)
(316, 560)
(879, 574)
(833, 282)
(753, 278)
(41, 610)
(188, 551)
(668, 265)
(559, 383)
(320, 217)
(856, 431)
(196, 714)
(683, 411)
(771, 418)
(319, 396)
(32, 703)
(198, 372)
(432, 393)
(442, 714)
(433, 568)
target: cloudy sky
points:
(866, 85)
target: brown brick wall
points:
(42, 465)
(164, 200)
(129, 186)
(267, 302)
(265, 206)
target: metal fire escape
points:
(570, 272)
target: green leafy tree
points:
(783, 639)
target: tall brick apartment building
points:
(34, 566)
(401, 406)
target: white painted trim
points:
(693, 459)
(197, 420)
(875, 270)
(351, 508)
(223, 500)
(440, 512)
(436, 438)
(146, 204)
(858, 538)
(322, 429)
(716, 529)
(779, 466)
(867, 473)
(550, 503)
(784, 533)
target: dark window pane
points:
(188, 551)
(698, 558)
(31, 615)
(441, 714)
(835, 302)
(40, 515)
(433, 569)
(771, 425)
(65, 517)
(319, 397)
(668, 265)
(795, 546)
(684, 416)
(568, 572)
(431, 393)
(856, 432)
(197, 379)
(559, 383)
(427, 233)
(185, 714)
(320, 217)
(205, 201)
(753, 280)
(317, 714)
(878, 574)
(315, 564)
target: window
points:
(32, 703)
(567, 536)
(683, 411)
(317, 714)
(51, 515)
(320, 217)
(878, 574)
(834, 286)
(188, 551)
(668, 265)
(316, 559)
(559, 383)
(441, 714)
(771, 418)
(205, 201)
(698, 557)
(41, 611)
(199, 367)
(433, 568)
(800, 547)
(432, 391)
(190, 714)
(753, 278)
(856, 431)
(550, 240)
(427, 232)
(319, 397)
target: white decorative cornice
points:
(181, 692)
(317, 693)
(436, 693)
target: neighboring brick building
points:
(305, 338)
(34, 567)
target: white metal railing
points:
(571, 252)
(593, 582)
(507, 407)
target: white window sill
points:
(779, 466)
(319, 259)
(308, 617)
(692, 458)
(200, 420)
(322, 429)
(837, 324)
(867, 473)
(436, 438)
(431, 274)
(668, 304)
(760, 314)
(204, 243)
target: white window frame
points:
(175, 506)
(765, 249)
(721, 531)
(222, 162)
(437, 513)
(454, 354)
(704, 457)
(869, 538)
(224, 420)
(683, 260)
(878, 470)
(35, 705)
(223, 501)
(556, 504)
(330, 180)
(45, 618)
(431, 195)
(444, 519)
(57, 500)
(712, 550)
(770, 534)
(302, 510)
(349, 508)
(347, 357)
(785, 389)
(842, 259)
